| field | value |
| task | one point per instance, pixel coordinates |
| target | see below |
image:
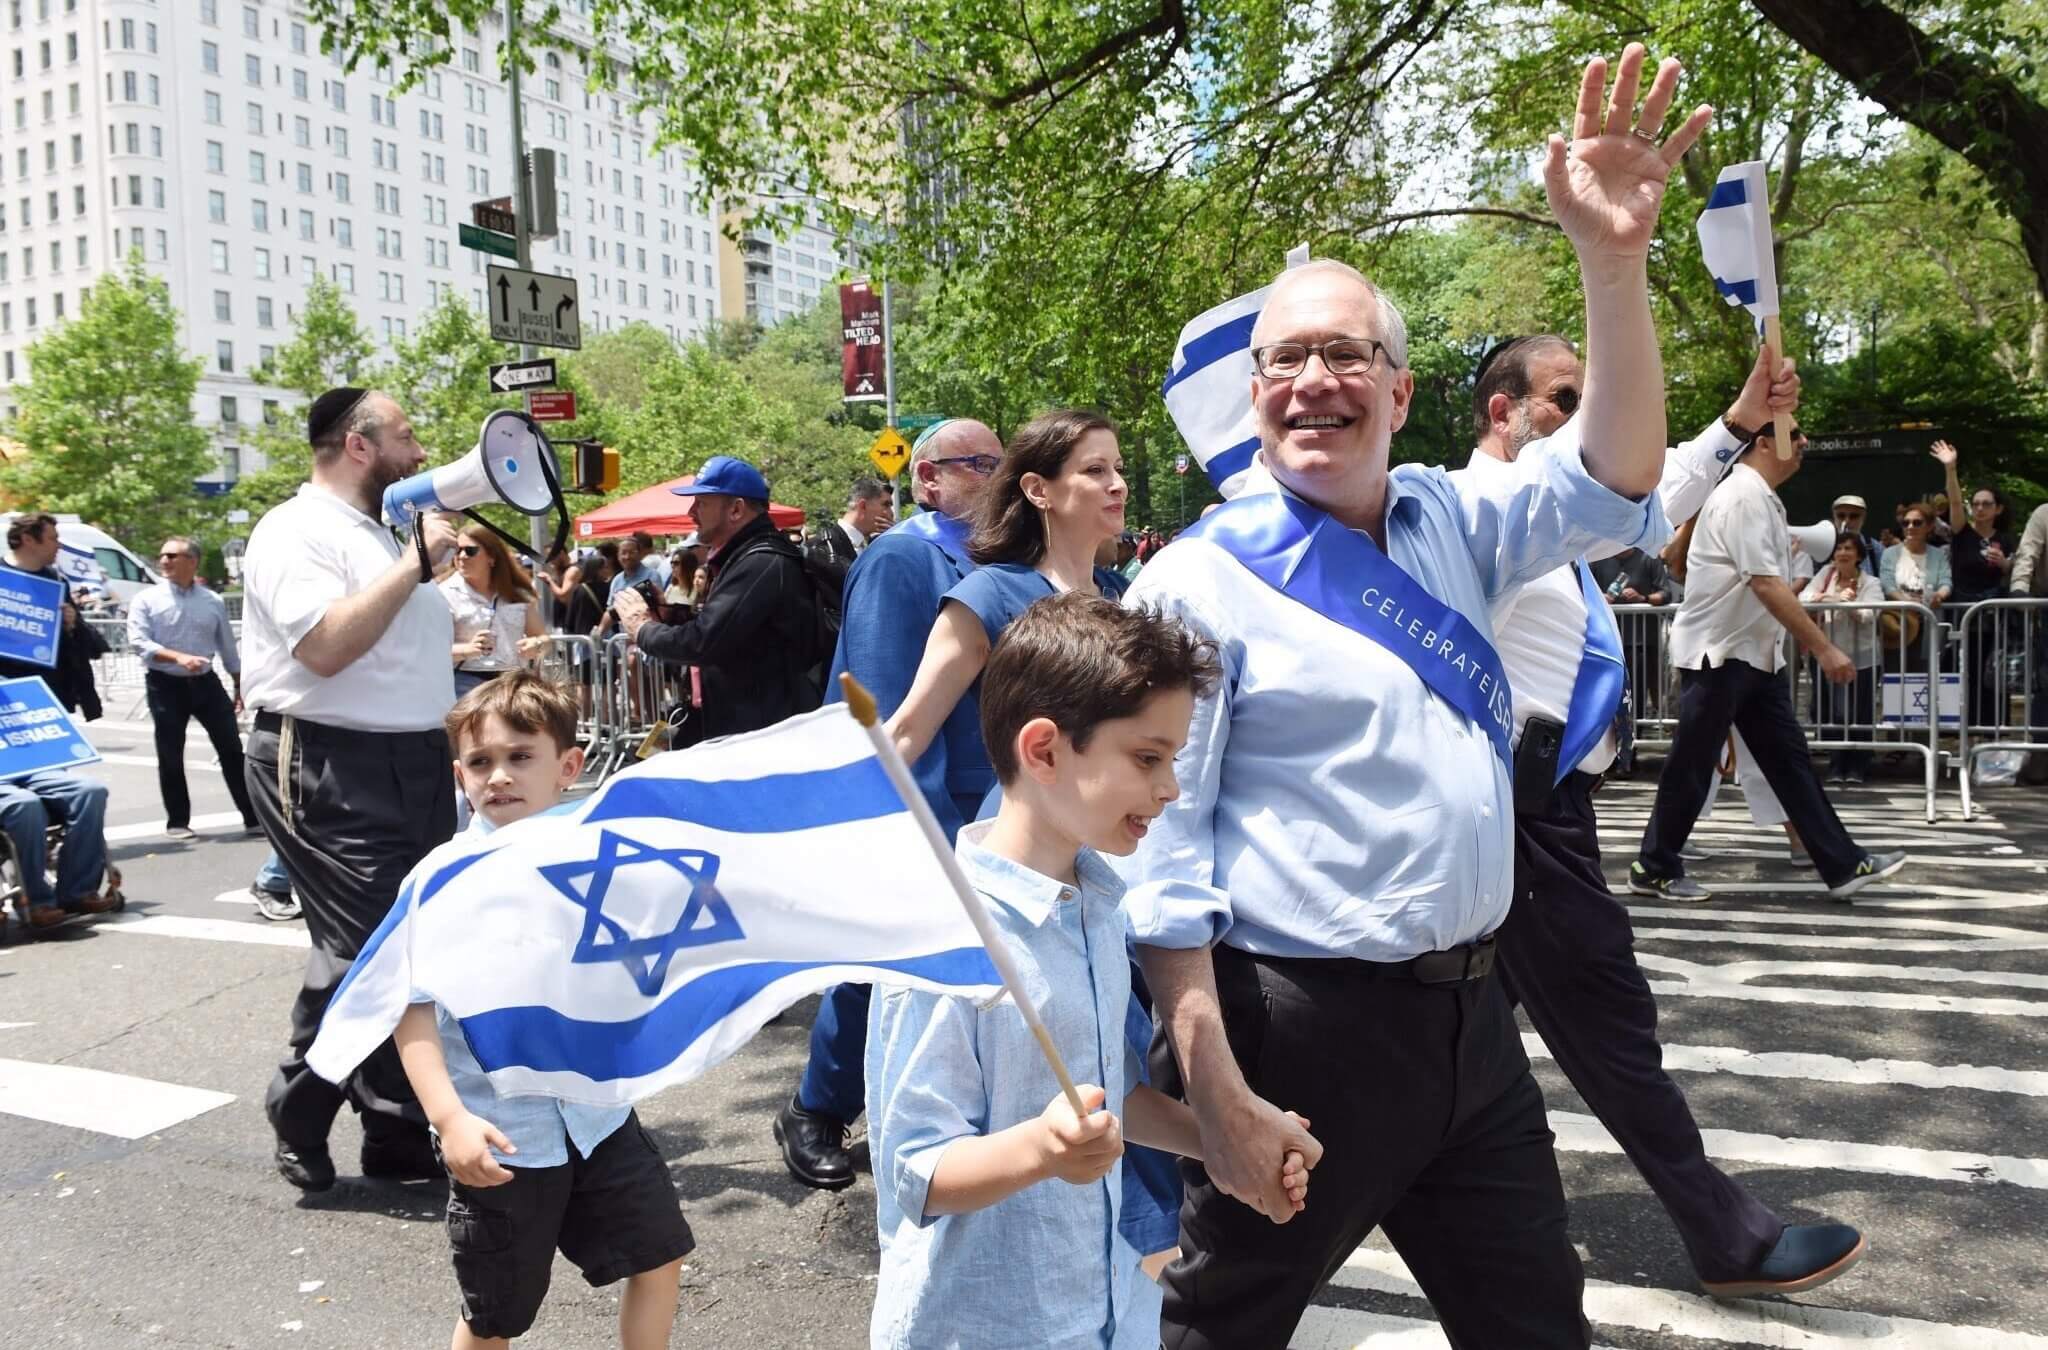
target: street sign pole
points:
(889, 376)
(536, 526)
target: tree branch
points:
(1503, 212)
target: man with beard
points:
(1566, 951)
(345, 661)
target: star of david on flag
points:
(615, 946)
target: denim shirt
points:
(540, 1127)
(1043, 1269)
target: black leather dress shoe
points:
(814, 1146)
(401, 1157)
(309, 1169)
(1806, 1256)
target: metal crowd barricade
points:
(571, 659)
(1891, 708)
(2000, 681)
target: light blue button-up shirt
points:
(1043, 1269)
(1331, 805)
(189, 619)
(540, 1127)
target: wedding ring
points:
(1641, 135)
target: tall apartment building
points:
(769, 277)
(214, 137)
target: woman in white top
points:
(497, 622)
(1850, 707)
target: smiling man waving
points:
(1316, 909)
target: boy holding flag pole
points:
(1083, 706)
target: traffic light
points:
(597, 468)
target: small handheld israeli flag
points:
(603, 951)
(1735, 240)
(1208, 389)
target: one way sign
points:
(523, 375)
(533, 307)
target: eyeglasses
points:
(1916, 523)
(171, 557)
(1564, 400)
(468, 550)
(1341, 356)
(979, 465)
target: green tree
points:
(107, 415)
(328, 348)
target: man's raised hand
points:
(1606, 185)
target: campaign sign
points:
(30, 617)
(35, 731)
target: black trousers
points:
(175, 700)
(1757, 704)
(1433, 1131)
(1567, 954)
(350, 813)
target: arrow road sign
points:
(535, 307)
(523, 375)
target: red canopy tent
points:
(658, 510)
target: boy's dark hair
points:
(1082, 660)
(525, 701)
(28, 526)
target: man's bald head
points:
(943, 474)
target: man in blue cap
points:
(892, 597)
(757, 640)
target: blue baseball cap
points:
(724, 476)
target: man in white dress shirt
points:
(345, 644)
(1566, 951)
(1728, 644)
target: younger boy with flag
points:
(528, 1174)
(1083, 707)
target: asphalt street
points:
(1882, 1062)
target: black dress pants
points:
(175, 700)
(1756, 703)
(1567, 954)
(1433, 1131)
(350, 813)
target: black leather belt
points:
(1460, 965)
(321, 732)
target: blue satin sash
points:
(1341, 574)
(1596, 691)
(941, 531)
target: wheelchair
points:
(14, 898)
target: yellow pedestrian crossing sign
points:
(890, 452)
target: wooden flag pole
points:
(861, 704)
(1781, 423)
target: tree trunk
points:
(1974, 109)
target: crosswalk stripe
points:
(105, 1103)
(1768, 1324)
(1835, 1068)
(1729, 982)
(1585, 1134)
(1735, 937)
(143, 829)
(214, 930)
(1345, 1329)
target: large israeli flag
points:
(1735, 239)
(1208, 388)
(608, 949)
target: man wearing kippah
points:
(345, 661)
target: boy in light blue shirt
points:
(528, 1175)
(997, 1207)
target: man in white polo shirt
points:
(1728, 644)
(345, 661)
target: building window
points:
(255, 119)
(209, 57)
(230, 411)
(305, 225)
(217, 207)
(305, 177)
(262, 260)
(341, 187)
(302, 132)
(339, 142)
(299, 38)
(299, 84)
(263, 312)
(211, 103)
(218, 249)
(252, 71)
(258, 167)
(252, 23)
(345, 277)
(344, 232)
(224, 356)
(259, 215)
(223, 307)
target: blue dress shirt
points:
(540, 1127)
(1331, 805)
(1043, 1269)
(189, 619)
(892, 596)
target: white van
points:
(90, 557)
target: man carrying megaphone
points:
(345, 661)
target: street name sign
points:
(511, 375)
(480, 240)
(495, 214)
(533, 307)
(551, 405)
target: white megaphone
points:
(1818, 539)
(512, 463)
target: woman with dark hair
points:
(1851, 707)
(497, 618)
(1057, 495)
